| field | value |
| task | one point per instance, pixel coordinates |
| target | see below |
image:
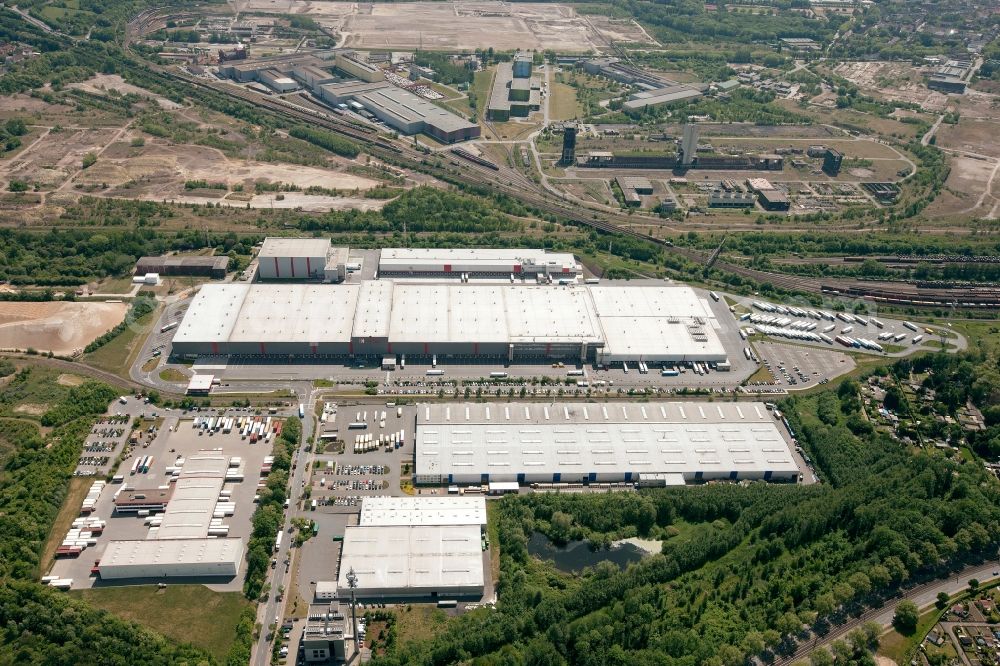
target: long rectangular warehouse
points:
(593, 442)
(172, 558)
(401, 561)
(506, 322)
(399, 261)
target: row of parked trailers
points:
(368, 442)
(818, 314)
(254, 427)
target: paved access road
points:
(272, 609)
(922, 595)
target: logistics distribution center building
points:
(507, 322)
(416, 547)
(398, 262)
(188, 539)
(590, 442)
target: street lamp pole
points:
(352, 582)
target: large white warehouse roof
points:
(575, 442)
(464, 510)
(403, 560)
(189, 512)
(621, 322)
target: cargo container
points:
(917, 339)
(435, 373)
(171, 325)
(911, 326)
(715, 296)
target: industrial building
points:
(568, 156)
(950, 77)
(189, 539)
(277, 81)
(665, 95)
(301, 259)
(724, 199)
(245, 71)
(400, 109)
(327, 632)
(832, 161)
(774, 200)
(633, 188)
(420, 510)
(406, 561)
(351, 63)
(515, 93)
(213, 267)
(473, 262)
(186, 558)
(506, 322)
(608, 160)
(476, 443)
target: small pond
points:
(576, 555)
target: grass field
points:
(77, 490)
(115, 286)
(120, 353)
(185, 613)
(32, 397)
(898, 647)
(418, 622)
(172, 375)
(562, 103)
(481, 90)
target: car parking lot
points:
(795, 367)
(107, 438)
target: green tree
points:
(906, 617)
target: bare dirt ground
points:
(101, 84)
(453, 25)
(69, 380)
(159, 167)
(56, 157)
(620, 30)
(894, 81)
(59, 327)
(971, 135)
(967, 182)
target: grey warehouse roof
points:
(504, 440)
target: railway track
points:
(515, 185)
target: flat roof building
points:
(300, 259)
(667, 95)
(403, 561)
(350, 63)
(465, 510)
(396, 262)
(592, 442)
(214, 267)
(172, 558)
(773, 200)
(327, 632)
(401, 109)
(509, 322)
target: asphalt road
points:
(922, 595)
(272, 609)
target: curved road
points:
(922, 595)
